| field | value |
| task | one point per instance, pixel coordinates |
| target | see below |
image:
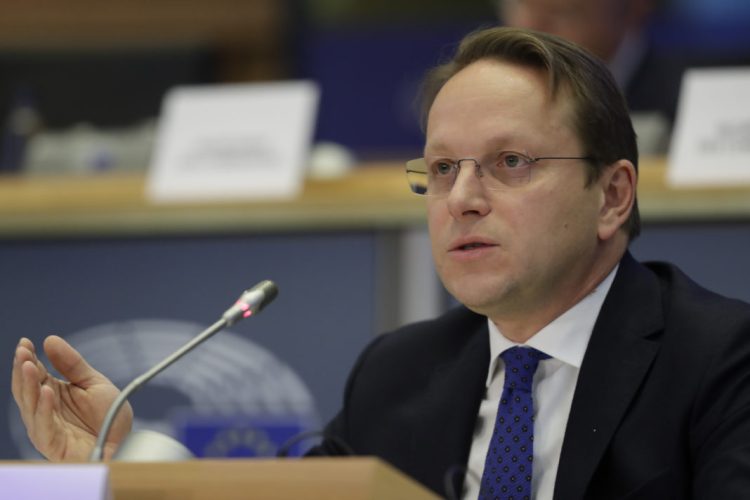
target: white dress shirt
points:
(565, 339)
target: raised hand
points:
(63, 417)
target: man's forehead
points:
(488, 84)
(497, 142)
(496, 76)
(492, 105)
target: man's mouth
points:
(468, 244)
(471, 246)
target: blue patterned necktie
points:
(507, 468)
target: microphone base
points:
(151, 446)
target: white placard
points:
(34, 481)
(711, 140)
(233, 141)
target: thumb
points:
(69, 362)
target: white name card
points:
(711, 139)
(35, 481)
(233, 141)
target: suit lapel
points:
(445, 422)
(618, 357)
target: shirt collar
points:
(565, 338)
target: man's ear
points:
(618, 184)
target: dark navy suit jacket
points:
(661, 408)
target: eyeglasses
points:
(507, 169)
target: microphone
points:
(252, 301)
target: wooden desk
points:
(345, 478)
(319, 478)
(661, 203)
(375, 196)
(372, 197)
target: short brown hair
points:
(600, 114)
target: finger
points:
(69, 362)
(28, 344)
(44, 433)
(43, 372)
(25, 352)
(30, 387)
(22, 354)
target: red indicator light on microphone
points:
(246, 312)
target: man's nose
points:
(468, 174)
(467, 195)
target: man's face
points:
(514, 250)
(597, 25)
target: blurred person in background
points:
(616, 32)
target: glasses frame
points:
(456, 167)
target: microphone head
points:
(252, 301)
(269, 292)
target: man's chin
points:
(480, 303)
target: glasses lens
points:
(416, 174)
(507, 169)
(498, 171)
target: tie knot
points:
(520, 366)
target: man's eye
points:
(442, 168)
(512, 160)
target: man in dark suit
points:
(647, 391)
(570, 370)
(660, 410)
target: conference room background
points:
(127, 301)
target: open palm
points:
(63, 417)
